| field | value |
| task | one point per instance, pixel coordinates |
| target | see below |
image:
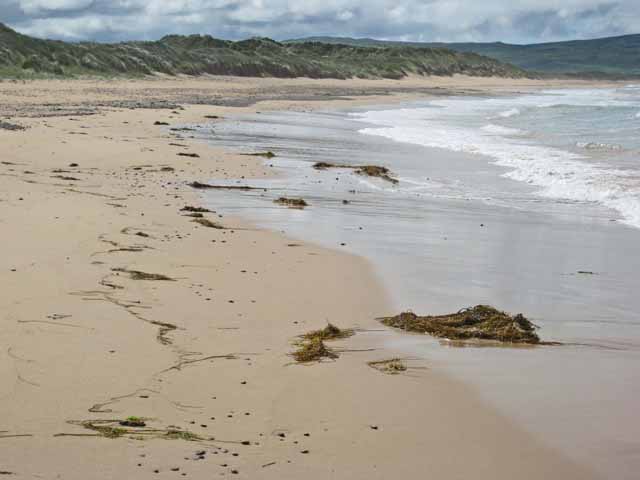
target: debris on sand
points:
(327, 165)
(121, 428)
(189, 208)
(376, 171)
(136, 422)
(138, 275)
(167, 169)
(330, 332)
(311, 347)
(292, 202)
(367, 170)
(203, 186)
(393, 366)
(67, 178)
(260, 154)
(208, 223)
(191, 155)
(160, 123)
(480, 322)
(313, 350)
(11, 126)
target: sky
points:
(512, 21)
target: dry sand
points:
(209, 351)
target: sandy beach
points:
(91, 193)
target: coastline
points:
(64, 237)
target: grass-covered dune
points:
(601, 57)
(24, 56)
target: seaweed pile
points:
(330, 332)
(480, 322)
(311, 348)
(292, 202)
(376, 171)
(393, 366)
(367, 170)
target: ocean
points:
(527, 202)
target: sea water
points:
(575, 145)
(530, 203)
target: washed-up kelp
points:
(393, 366)
(261, 154)
(330, 332)
(130, 429)
(313, 350)
(292, 202)
(311, 347)
(376, 171)
(208, 223)
(480, 322)
(367, 170)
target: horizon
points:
(436, 21)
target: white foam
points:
(509, 113)
(500, 130)
(599, 146)
(638, 115)
(560, 174)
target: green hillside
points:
(24, 56)
(612, 56)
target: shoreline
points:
(72, 330)
(570, 308)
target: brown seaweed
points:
(292, 202)
(330, 332)
(204, 186)
(480, 322)
(367, 170)
(138, 275)
(208, 223)
(313, 350)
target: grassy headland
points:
(610, 57)
(22, 56)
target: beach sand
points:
(208, 351)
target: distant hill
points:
(612, 56)
(24, 56)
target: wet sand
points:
(453, 233)
(88, 199)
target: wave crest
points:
(500, 130)
(599, 146)
(509, 113)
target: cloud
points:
(34, 7)
(517, 21)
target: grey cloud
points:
(517, 21)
